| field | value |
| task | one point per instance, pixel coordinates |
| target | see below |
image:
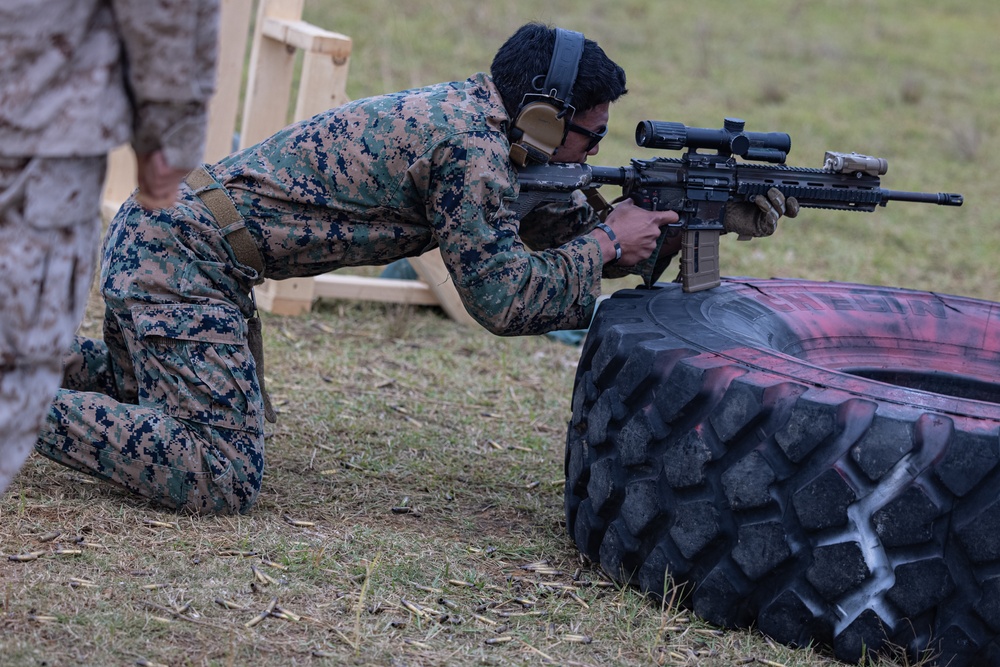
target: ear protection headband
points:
(540, 126)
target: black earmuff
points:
(540, 126)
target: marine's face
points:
(585, 132)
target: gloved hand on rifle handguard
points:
(759, 216)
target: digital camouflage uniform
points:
(66, 98)
(178, 413)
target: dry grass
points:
(909, 82)
(411, 515)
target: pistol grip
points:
(699, 259)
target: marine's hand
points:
(759, 217)
(158, 181)
(637, 231)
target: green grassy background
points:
(915, 82)
(427, 458)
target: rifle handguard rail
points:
(699, 187)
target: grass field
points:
(412, 509)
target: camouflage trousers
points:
(49, 232)
(168, 405)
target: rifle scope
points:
(729, 140)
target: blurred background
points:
(914, 82)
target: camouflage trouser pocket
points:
(192, 362)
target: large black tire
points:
(818, 460)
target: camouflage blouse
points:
(392, 176)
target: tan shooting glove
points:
(759, 217)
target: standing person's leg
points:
(49, 233)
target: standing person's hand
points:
(158, 181)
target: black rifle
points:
(699, 186)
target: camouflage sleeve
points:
(506, 287)
(170, 48)
(558, 223)
(554, 224)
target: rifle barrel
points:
(940, 198)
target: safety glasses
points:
(594, 138)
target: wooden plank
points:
(286, 297)
(386, 290)
(323, 84)
(234, 31)
(272, 66)
(308, 37)
(432, 272)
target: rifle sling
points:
(223, 211)
(225, 215)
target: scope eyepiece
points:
(731, 139)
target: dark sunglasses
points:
(594, 137)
